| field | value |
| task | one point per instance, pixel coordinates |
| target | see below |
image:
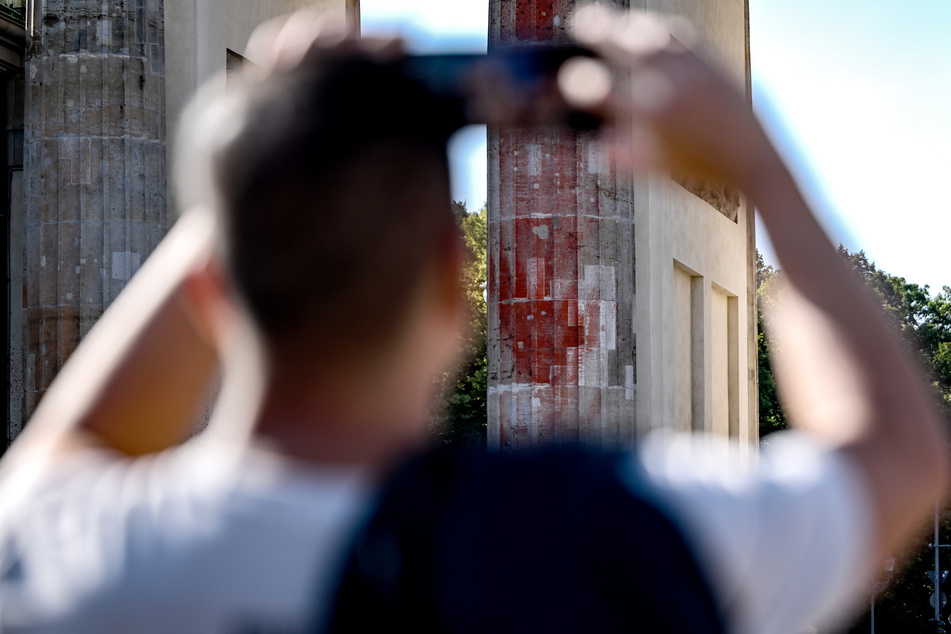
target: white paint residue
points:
(608, 289)
(602, 326)
(125, 264)
(536, 403)
(72, 59)
(591, 284)
(541, 231)
(600, 282)
(579, 360)
(43, 261)
(609, 324)
(536, 277)
(69, 295)
(534, 159)
(512, 388)
(629, 382)
(520, 345)
(595, 159)
(591, 364)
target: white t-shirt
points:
(786, 542)
(198, 539)
(201, 539)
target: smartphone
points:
(512, 86)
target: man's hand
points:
(283, 43)
(670, 109)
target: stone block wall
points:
(561, 292)
(95, 186)
(617, 303)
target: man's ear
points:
(207, 300)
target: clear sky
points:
(858, 93)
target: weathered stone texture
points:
(724, 199)
(14, 165)
(584, 338)
(561, 273)
(95, 201)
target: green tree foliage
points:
(771, 416)
(459, 419)
(904, 606)
(924, 323)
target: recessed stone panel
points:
(724, 199)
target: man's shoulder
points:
(551, 540)
(182, 530)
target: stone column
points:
(561, 355)
(95, 200)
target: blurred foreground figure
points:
(319, 265)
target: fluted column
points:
(95, 203)
(561, 355)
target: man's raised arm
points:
(135, 382)
(845, 376)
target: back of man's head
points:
(331, 182)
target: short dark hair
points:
(334, 197)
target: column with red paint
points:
(561, 273)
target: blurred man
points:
(319, 265)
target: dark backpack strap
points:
(547, 542)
